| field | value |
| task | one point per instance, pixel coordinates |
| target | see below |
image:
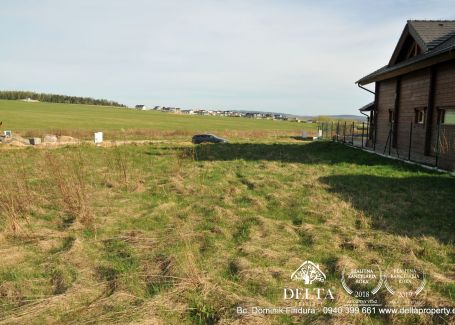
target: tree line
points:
(53, 98)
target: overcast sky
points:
(291, 56)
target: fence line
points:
(361, 135)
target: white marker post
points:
(98, 137)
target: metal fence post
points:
(352, 134)
(338, 129)
(375, 131)
(344, 133)
(390, 138)
(363, 132)
(410, 142)
(368, 130)
(437, 146)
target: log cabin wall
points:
(413, 98)
(444, 97)
(385, 101)
(413, 90)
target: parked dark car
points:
(200, 138)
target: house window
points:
(447, 116)
(420, 116)
(391, 116)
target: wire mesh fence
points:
(408, 144)
(353, 133)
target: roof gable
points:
(422, 43)
(421, 36)
(433, 32)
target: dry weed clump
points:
(146, 133)
(121, 166)
(17, 197)
(75, 133)
(446, 142)
(121, 172)
(68, 174)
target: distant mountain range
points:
(346, 117)
(310, 117)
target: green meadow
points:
(36, 119)
(172, 233)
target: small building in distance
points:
(141, 107)
(29, 100)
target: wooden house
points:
(413, 114)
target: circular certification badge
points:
(405, 282)
(362, 283)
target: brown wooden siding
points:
(413, 95)
(414, 91)
(385, 101)
(444, 98)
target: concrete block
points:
(50, 138)
(35, 141)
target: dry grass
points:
(17, 197)
(127, 134)
(68, 174)
(177, 234)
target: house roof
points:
(436, 39)
(433, 32)
(368, 107)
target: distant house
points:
(29, 100)
(254, 115)
(141, 107)
(201, 112)
(413, 113)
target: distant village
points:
(208, 112)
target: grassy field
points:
(117, 123)
(182, 234)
